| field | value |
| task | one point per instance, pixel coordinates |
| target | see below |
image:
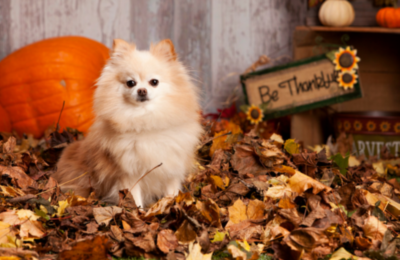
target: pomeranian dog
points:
(147, 113)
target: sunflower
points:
(254, 114)
(347, 79)
(371, 126)
(347, 125)
(339, 125)
(397, 127)
(357, 125)
(346, 59)
(385, 126)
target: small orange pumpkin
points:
(36, 79)
(389, 17)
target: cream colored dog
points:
(147, 113)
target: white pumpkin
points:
(337, 13)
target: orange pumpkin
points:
(389, 17)
(36, 79)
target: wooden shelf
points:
(349, 29)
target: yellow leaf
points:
(378, 167)
(27, 214)
(9, 257)
(285, 169)
(219, 236)
(195, 253)
(342, 254)
(222, 142)
(353, 161)
(185, 197)
(42, 208)
(244, 245)
(4, 230)
(277, 139)
(62, 205)
(125, 225)
(291, 146)
(218, 181)
(237, 253)
(11, 191)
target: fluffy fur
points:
(130, 137)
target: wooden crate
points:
(379, 75)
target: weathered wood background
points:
(217, 39)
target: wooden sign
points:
(297, 87)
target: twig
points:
(144, 176)
(192, 221)
(62, 183)
(215, 137)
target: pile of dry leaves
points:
(249, 198)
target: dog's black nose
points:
(142, 92)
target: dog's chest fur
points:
(138, 153)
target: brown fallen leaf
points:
(210, 211)
(299, 183)
(104, 215)
(18, 175)
(185, 197)
(49, 188)
(363, 243)
(245, 230)
(286, 203)
(374, 229)
(307, 161)
(10, 217)
(126, 200)
(167, 241)
(31, 228)
(17, 253)
(9, 145)
(185, 233)
(290, 214)
(92, 249)
(145, 242)
(255, 209)
(160, 207)
(237, 213)
(116, 233)
(92, 227)
(244, 160)
(306, 239)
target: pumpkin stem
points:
(59, 117)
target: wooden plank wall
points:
(213, 37)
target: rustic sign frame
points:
(357, 93)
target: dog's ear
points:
(164, 49)
(120, 45)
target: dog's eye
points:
(153, 82)
(131, 83)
